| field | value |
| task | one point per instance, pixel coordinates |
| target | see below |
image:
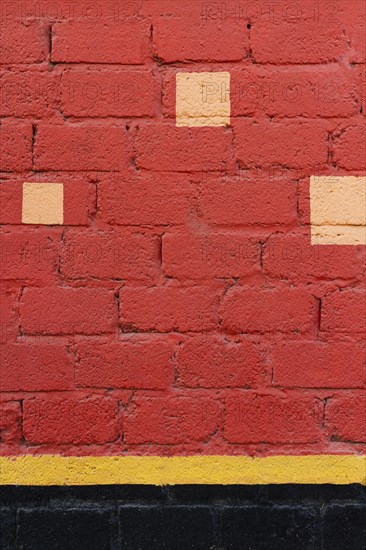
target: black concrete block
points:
(57, 529)
(344, 527)
(270, 527)
(166, 527)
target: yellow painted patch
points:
(203, 99)
(338, 210)
(43, 203)
(338, 234)
(155, 470)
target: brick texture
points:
(76, 421)
(254, 419)
(200, 290)
(36, 367)
(75, 42)
(23, 42)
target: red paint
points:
(36, 367)
(22, 41)
(10, 423)
(130, 363)
(86, 41)
(269, 419)
(344, 311)
(79, 198)
(81, 147)
(282, 309)
(105, 93)
(73, 421)
(177, 40)
(67, 311)
(170, 420)
(181, 308)
(16, 145)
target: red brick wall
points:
(180, 307)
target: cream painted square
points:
(203, 99)
(43, 203)
(338, 210)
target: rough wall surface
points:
(183, 228)
(171, 300)
(318, 517)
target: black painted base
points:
(134, 517)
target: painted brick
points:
(267, 310)
(23, 42)
(301, 41)
(278, 92)
(31, 93)
(102, 93)
(264, 525)
(181, 39)
(354, 24)
(36, 367)
(338, 201)
(344, 524)
(165, 8)
(8, 524)
(268, 419)
(81, 147)
(151, 199)
(344, 311)
(362, 87)
(345, 417)
(211, 362)
(187, 265)
(197, 102)
(79, 198)
(10, 202)
(10, 422)
(145, 363)
(9, 300)
(318, 364)
(166, 309)
(234, 202)
(261, 143)
(337, 210)
(29, 256)
(171, 420)
(291, 256)
(157, 528)
(186, 255)
(16, 146)
(67, 311)
(190, 96)
(72, 421)
(117, 254)
(189, 149)
(75, 42)
(43, 203)
(349, 147)
(73, 527)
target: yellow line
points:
(156, 470)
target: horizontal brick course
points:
(267, 419)
(81, 147)
(75, 42)
(36, 367)
(67, 311)
(182, 236)
(73, 421)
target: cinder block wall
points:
(183, 224)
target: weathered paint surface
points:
(183, 243)
(240, 470)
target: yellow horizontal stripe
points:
(155, 470)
